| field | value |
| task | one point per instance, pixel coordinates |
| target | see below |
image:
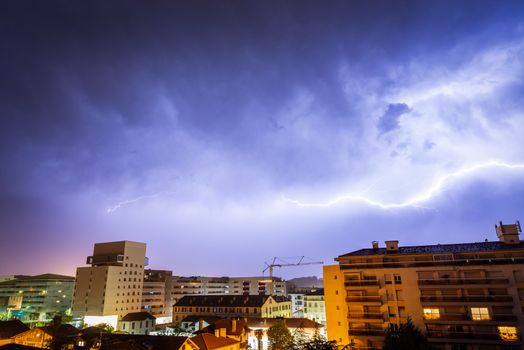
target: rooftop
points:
(226, 300)
(439, 248)
(138, 316)
(208, 341)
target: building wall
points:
(450, 292)
(314, 308)
(201, 285)
(36, 298)
(137, 327)
(335, 303)
(112, 288)
(156, 294)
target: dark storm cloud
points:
(218, 107)
(389, 121)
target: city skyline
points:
(223, 134)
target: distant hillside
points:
(306, 282)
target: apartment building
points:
(200, 285)
(156, 294)
(232, 306)
(314, 306)
(36, 298)
(112, 286)
(467, 296)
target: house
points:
(137, 323)
(236, 306)
(208, 341)
(42, 337)
(9, 329)
(146, 342)
(230, 328)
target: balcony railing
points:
(468, 299)
(364, 298)
(373, 316)
(366, 331)
(464, 317)
(466, 335)
(461, 281)
(361, 283)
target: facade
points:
(314, 306)
(36, 298)
(156, 294)
(137, 323)
(112, 286)
(199, 285)
(297, 304)
(467, 296)
(232, 306)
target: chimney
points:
(392, 246)
(217, 332)
(223, 332)
(233, 326)
(375, 245)
(509, 234)
(200, 324)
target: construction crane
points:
(280, 262)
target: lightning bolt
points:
(425, 196)
(130, 201)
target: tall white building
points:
(112, 286)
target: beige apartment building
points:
(112, 286)
(467, 296)
(156, 294)
(232, 306)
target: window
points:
(508, 333)
(398, 279)
(479, 313)
(431, 314)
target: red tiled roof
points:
(208, 341)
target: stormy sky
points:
(224, 133)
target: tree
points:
(319, 343)
(106, 327)
(279, 336)
(405, 337)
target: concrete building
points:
(156, 295)
(137, 323)
(35, 299)
(200, 285)
(465, 296)
(232, 306)
(112, 286)
(314, 306)
(297, 304)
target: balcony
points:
(366, 331)
(362, 283)
(462, 281)
(464, 317)
(375, 299)
(366, 316)
(468, 299)
(467, 335)
(107, 259)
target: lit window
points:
(431, 314)
(508, 333)
(480, 313)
